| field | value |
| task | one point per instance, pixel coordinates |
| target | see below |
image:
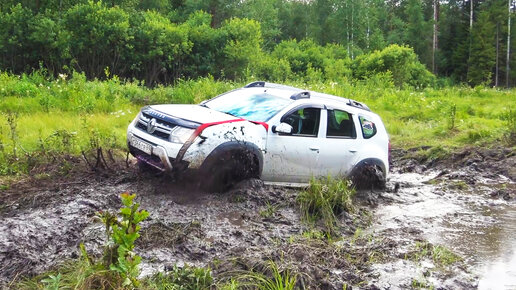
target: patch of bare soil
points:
(45, 217)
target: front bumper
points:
(158, 157)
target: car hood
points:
(193, 113)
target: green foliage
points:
(418, 31)
(52, 282)
(99, 34)
(181, 278)
(243, 43)
(122, 235)
(483, 54)
(159, 47)
(224, 39)
(269, 210)
(440, 255)
(401, 61)
(325, 200)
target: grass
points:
(186, 277)
(269, 210)
(77, 274)
(37, 109)
(273, 279)
(440, 255)
(325, 200)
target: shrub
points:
(401, 61)
(119, 255)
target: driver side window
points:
(305, 122)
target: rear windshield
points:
(249, 105)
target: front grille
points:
(162, 129)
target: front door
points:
(294, 157)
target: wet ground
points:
(465, 204)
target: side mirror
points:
(282, 128)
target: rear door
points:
(339, 143)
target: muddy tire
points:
(230, 169)
(368, 176)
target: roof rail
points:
(262, 84)
(259, 84)
(359, 105)
(300, 95)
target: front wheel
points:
(230, 169)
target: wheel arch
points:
(364, 174)
(233, 147)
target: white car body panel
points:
(194, 113)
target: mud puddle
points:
(472, 221)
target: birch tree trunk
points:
(435, 40)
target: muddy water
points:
(464, 218)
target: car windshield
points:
(258, 107)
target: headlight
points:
(180, 134)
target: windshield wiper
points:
(204, 105)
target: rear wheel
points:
(368, 176)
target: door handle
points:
(314, 148)
(353, 150)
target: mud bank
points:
(385, 243)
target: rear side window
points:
(368, 127)
(340, 124)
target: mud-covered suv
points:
(277, 133)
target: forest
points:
(417, 43)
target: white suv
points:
(277, 133)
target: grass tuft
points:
(275, 280)
(324, 200)
(185, 277)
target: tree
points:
(98, 37)
(266, 13)
(160, 48)
(483, 54)
(243, 43)
(417, 32)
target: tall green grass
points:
(63, 114)
(324, 200)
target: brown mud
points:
(464, 202)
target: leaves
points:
(122, 235)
